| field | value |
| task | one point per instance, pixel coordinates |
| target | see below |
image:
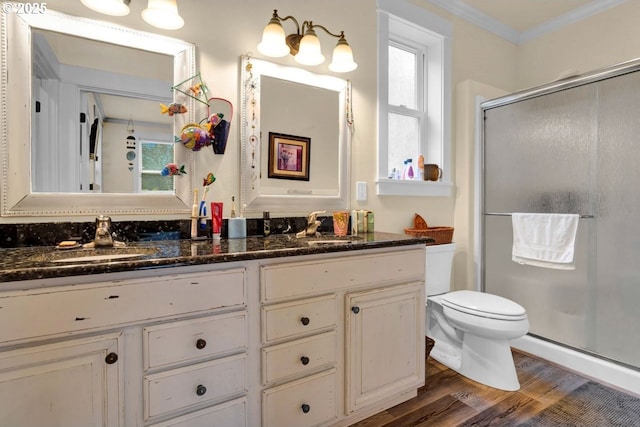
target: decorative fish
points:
(173, 108)
(171, 169)
(208, 180)
(198, 89)
(214, 120)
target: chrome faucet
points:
(312, 225)
(103, 231)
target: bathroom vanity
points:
(271, 332)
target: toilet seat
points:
(483, 305)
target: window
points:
(154, 156)
(414, 96)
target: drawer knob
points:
(111, 358)
(201, 390)
(305, 408)
(355, 309)
(304, 360)
(304, 321)
(200, 344)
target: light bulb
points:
(310, 52)
(108, 7)
(273, 40)
(163, 14)
(342, 60)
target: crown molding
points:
(589, 9)
(462, 10)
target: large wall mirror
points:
(295, 139)
(84, 133)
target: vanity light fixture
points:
(109, 7)
(159, 13)
(304, 44)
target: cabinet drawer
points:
(82, 307)
(304, 403)
(194, 339)
(306, 354)
(299, 279)
(297, 318)
(181, 388)
(229, 414)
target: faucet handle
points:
(313, 215)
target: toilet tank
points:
(438, 270)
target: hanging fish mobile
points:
(172, 169)
(208, 180)
(173, 108)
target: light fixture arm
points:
(311, 25)
(275, 15)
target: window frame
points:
(411, 26)
(150, 138)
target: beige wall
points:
(607, 38)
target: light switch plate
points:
(361, 191)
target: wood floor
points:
(448, 399)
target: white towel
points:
(544, 240)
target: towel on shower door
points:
(544, 240)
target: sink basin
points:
(93, 255)
(328, 242)
(105, 257)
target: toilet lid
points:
(481, 303)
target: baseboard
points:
(600, 370)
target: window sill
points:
(397, 187)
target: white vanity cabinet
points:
(342, 336)
(140, 351)
(65, 384)
(315, 340)
(385, 352)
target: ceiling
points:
(522, 20)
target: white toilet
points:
(471, 330)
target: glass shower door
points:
(571, 151)
(539, 157)
(617, 293)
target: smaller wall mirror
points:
(295, 139)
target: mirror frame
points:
(17, 200)
(295, 203)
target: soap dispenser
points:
(237, 225)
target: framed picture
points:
(288, 156)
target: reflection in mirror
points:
(97, 138)
(98, 116)
(278, 99)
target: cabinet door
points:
(67, 384)
(385, 343)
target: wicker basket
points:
(441, 235)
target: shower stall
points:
(572, 146)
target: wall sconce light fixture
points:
(159, 13)
(304, 44)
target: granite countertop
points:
(42, 262)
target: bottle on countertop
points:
(420, 176)
(266, 219)
(237, 225)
